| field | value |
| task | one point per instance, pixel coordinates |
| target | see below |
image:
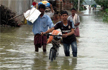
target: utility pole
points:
(78, 5)
(60, 5)
(29, 4)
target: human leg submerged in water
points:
(74, 48)
(44, 42)
(66, 49)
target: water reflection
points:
(69, 64)
(39, 64)
(53, 65)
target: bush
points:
(105, 17)
(7, 14)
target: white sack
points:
(32, 14)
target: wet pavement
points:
(17, 49)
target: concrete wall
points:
(17, 6)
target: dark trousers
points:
(67, 48)
(39, 41)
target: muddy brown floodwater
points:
(17, 49)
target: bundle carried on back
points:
(32, 14)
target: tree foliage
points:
(75, 3)
(103, 3)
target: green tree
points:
(103, 3)
(75, 4)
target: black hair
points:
(64, 12)
(42, 6)
(73, 9)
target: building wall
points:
(17, 6)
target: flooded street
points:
(17, 48)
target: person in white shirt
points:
(75, 18)
(49, 11)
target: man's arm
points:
(50, 23)
(51, 8)
(29, 23)
(68, 34)
(48, 31)
(77, 24)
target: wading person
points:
(76, 21)
(49, 11)
(67, 29)
(41, 25)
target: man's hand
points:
(64, 35)
(43, 33)
(76, 24)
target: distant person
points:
(95, 7)
(49, 11)
(75, 18)
(89, 8)
(41, 25)
(67, 29)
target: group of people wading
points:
(69, 26)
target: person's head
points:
(73, 11)
(42, 8)
(64, 15)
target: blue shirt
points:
(41, 24)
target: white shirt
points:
(75, 19)
(50, 14)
